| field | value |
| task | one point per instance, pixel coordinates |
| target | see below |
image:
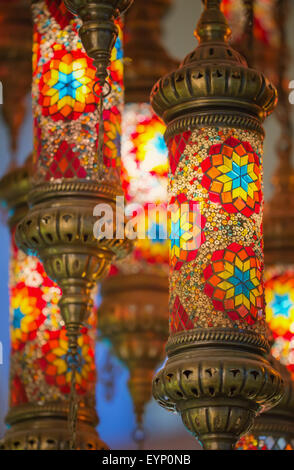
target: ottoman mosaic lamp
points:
(70, 175)
(217, 375)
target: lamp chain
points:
(73, 361)
(107, 377)
(139, 436)
(101, 95)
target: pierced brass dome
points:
(213, 78)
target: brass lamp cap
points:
(214, 77)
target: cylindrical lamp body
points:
(216, 189)
(64, 104)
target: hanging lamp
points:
(70, 175)
(217, 375)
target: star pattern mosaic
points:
(144, 181)
(176, 149)
(234, 282)
(54, 362)
(264, 442)
(66, 164)
(179, 319)
(59, 12)
(231, 174)
(220, 282)
(66, 86)
(144, 155)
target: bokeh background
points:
(163, 430)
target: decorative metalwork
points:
(39, 374)
(98, 32)
(217, 374)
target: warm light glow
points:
(251, 442)
(144, 179)
(279, 296)
(144, 155)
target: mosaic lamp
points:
(217, 375)
(67, 182)
(134, 310)
(39, 374)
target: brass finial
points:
(212, 25)
(98, 32)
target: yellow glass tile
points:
(61, 366)
(80, 64)
(227, 187)
(225, 274)
(230, 293)
(59, 352)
